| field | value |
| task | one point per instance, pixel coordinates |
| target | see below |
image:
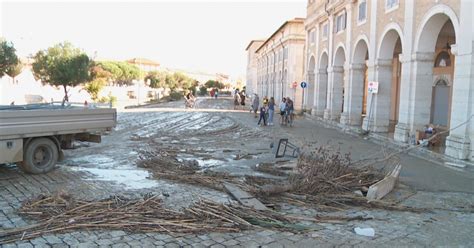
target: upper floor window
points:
(285, 53)
(325, 30)
(443, 59)
(362, 11)
(391, 4)
(340, 23)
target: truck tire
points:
(40, 156)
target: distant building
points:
(145, 64)
(280, 63)
(251, 79)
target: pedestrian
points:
(242, 99)
(271, 110)
(282, 110)
(265, 100)
(236, 100)
(289, 109)
(255, 104)
(216, 93)
(263, 111)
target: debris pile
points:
(166, 166)
(62, 213)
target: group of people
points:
(239, 99)
(267, 110)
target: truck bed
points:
(25, 123)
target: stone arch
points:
(324, 60)
(360, 50)
(431, 25)
(339, 56)
(310, 77)
(388, 40)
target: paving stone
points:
(25, 245)
(120, 245)
(117, 233)
(218, 237)
(217, 246)
(230, 242)
(208, 242)
(52, 239)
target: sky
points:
(192, 35)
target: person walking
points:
(271, 110)
(255, 104)
(282, 110)
(263, 111)
(289, 111)
(236, 101)
(242, 99)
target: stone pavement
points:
(447, 193)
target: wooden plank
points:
(383, 187)
(243, 197)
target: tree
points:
(214, 84)
(121, 73)
(99, 78)
(157, 79)
(14, 70)
(62, 65)
(8, 57)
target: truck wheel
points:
(40, 156)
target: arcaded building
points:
(419, 52)
(280, 63)
(251, 78)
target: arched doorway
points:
(385, 106)
(310, 91)
(440, 103)
(355, 97)
(321, 86)
(336, 86)
(443, 73)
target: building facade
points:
(251, 78)
(280, 63)
(419, 52)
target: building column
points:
(309, 91)
(415, 97)
(353, 96)
(320, 92)
(336, 83)
(378, 105)
(458, 143)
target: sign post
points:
(373, 88)
(303, 86)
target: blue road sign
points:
(304, 85)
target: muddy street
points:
(224, 144)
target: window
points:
(325, 30)
(362, 11)
(443, 60)
(340, 22)
(391, 4)
(131, 95)
(285, 53)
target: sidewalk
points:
(418, 172)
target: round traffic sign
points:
(304, 85)
(295, 84)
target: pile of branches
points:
(327, 180)
(63, 213)
(326, 171)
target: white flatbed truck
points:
(33, 136)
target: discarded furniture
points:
(383, 187)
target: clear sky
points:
(194, 35)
